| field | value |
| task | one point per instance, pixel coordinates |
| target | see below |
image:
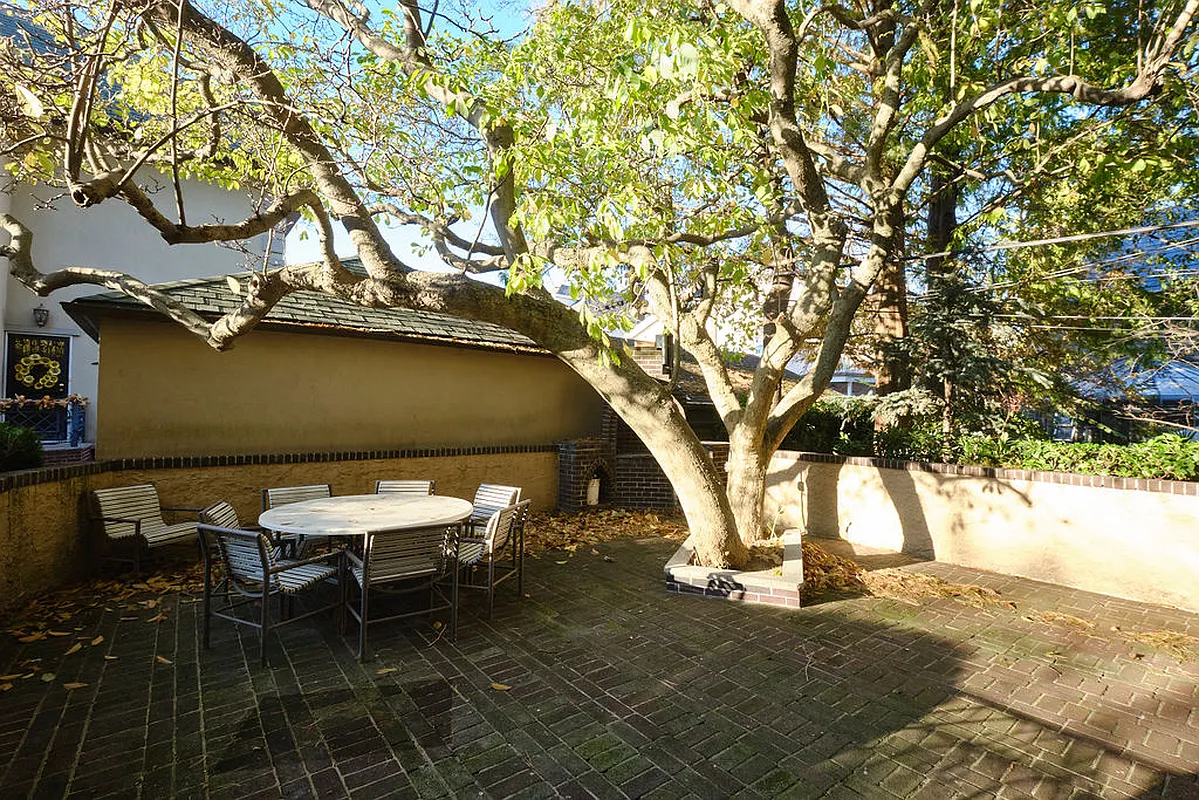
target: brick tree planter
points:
(778, 586)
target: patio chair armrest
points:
(136, 523)
(354, 559)
(305, 561)
(188, 509)
(203, 526)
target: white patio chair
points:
(253, 573)
(499, 552)
(407, 560)
(418, 488)
(132, 515)
(490, 498)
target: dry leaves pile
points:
(911, 587)
(824, 572)
(572, 531)
(1180, 646)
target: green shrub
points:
(846, 426)
(1166, 457)
(842, 426)
(20, 448)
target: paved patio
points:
(618, 689)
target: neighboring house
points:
(1130, 395)
(107, 236)
(45, 353)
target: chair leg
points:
(454, 604)
(137, 557)
(362, 606)
(490, 585)
(343, 598)
(207, 602)
(266, 625)
(520, 565)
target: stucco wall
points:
(167, 393)
(1140, 545)
(46, 542)
(111, 236)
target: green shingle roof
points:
(212, 296)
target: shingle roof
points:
(212, 296)
(16, 26)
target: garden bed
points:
(775, 586)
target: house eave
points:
(89, 316)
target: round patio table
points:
(356, 514)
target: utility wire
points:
(1078, 237)
(1090, 265)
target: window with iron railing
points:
(59, 420)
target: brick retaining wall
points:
(46, 540)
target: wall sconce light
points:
(41, 315)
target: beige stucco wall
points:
(167, 393)
(1138, 545)
(46, 542)
(112, 236)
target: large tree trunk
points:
(746, 488)
(890, 304)
(942, 224)
(655, 416)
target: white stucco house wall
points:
(109, 236)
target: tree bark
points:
(746, 473)
(890, 306)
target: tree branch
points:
(1147, 80)
(21, 266)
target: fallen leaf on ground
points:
(74, 685)
(33, 637)
(128, 619)
(58, 633)
(4, 687)
(47, 677)
(75, 648)
(97, 640)
(385, 670)
(1178, 645)
(1066, 619)
(500, 687)
(110, 658)
(10, 677)
(162, 659)
(159, 618)
(559, 562)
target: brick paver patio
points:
(618, 689)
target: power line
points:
(1090, 265)
(1078, 237)
(1089, 316)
